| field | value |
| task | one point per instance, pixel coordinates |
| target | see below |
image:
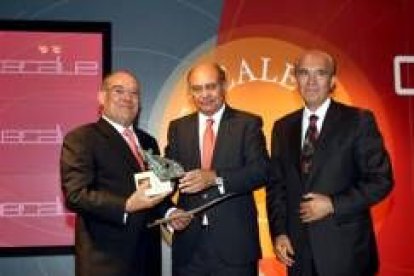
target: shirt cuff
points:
(167, 214)
(125, 218)
(220, 185)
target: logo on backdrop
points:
(399, 75)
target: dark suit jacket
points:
(240, 157)
(352, 166)
(97, 169)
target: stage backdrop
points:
(47, 71)
(258, 42)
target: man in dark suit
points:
(319, 197)
(98, 162)
(224, 239)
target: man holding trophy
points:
(98, 163)
(223, 153)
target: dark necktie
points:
(309, 145)
(129, 135)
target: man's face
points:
(206, 89)
(315, 79)
(120, 98)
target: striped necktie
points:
(309, 145)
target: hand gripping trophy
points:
(165, 171)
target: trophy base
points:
(156, 186)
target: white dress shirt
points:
(320, 112)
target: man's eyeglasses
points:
(198, 88)
(121, 91)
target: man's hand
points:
(181, 219)
(196, 181)
(284, 250)
(139, 201)
(315, 207)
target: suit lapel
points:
(143, 141)
(223, 132)
(117, 143)
(295, 140)
(329, 126)
(193, 142)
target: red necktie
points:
(208, 145)
(309, 145)
(129, 135)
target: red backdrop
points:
(365, 37)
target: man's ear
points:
(224, 86)
(294, 81)
(101, 97)
(333, 83)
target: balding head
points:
(206, 82)
(119, 97)
(221, 74)
(329, 61)
(315, 76)
(106, 83)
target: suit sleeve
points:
(78, 182)
(167, 203)
(148, 142)
(253, 172)
(170, 149)
(374, 180)
(276, 188)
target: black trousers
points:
(205, 262)
(305, 263)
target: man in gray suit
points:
(97, 164)
(328, 167)
(223, 152)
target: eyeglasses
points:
(319, 73)
(198, 88)
(119, 90)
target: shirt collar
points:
(216, 116)
(320, 111)
(120, 128)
